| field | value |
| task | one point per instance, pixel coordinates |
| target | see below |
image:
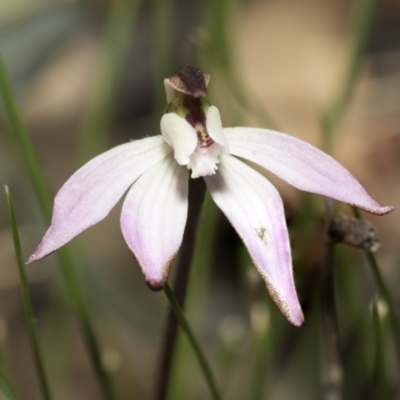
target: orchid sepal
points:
(89, 194)
(255, 209)
(153, 219)
(302, 165)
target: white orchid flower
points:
(193, 142)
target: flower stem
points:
(196, 196)
(331, 121)
(332, 378)
(196, 302)
(385, 293)
(68, 271)
(195, 346)
(29, 316)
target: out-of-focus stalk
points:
(379, 311)
(29, 316)
(195, 346)
(260, 323)
(385, 292)
(104, 84)
(24, 144)
(197, 296)
(67, 269)
(197, 189)
(333, 371)
(221, 58)
(163, 51)
(360, 28)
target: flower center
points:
(195, 135)
(195, 109)
(203, 137)
(191, 125)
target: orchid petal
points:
(214, 127)
(180, 135)
(89, 194)
(254, 208)
(302, 165)
(153, 219)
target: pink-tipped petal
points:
(154, 217)
(89, 195)
(255, 209)
(302, 165)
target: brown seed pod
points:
(354, 232)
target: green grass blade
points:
(379, 374)
(193, 342)
(29, 316)
(24, 144)
(70, 279)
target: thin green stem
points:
(68, 271)
(6, 389)
(24, 144)
(202, 258)
(385, 292)
(195, 346)
(197, 189)
(76, 298)
(379, 374)
(196, 302)
(29, 316)
(220, 48)
(388, 298)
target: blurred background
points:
(88, 75)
